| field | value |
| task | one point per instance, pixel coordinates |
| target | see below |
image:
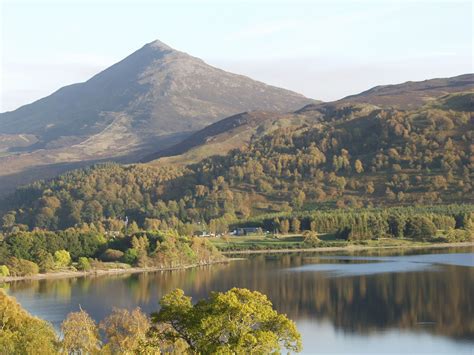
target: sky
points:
(323, 49)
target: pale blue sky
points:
(323, 49)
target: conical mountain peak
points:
(151, 99)
(157, 44)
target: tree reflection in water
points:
(439, 301)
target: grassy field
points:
(262, 242)
(257, 242)
(272, 242)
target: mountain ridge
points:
(421, 92)
(192, 149)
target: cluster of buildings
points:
(238, 232)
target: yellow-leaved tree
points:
(21, 333)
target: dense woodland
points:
(25, 253)
(28, 253)
(456, 223)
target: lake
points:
(419, 302)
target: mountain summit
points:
(158, 44)
(153, 92)
(149, 100)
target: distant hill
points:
(237, 131)
(153, 98)
(413, 94)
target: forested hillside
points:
(349, 156)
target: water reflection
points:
(436, 298)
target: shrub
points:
(4, 271)
(45, 261)
(22, 267)
(459, 235)
(62, 258)
(310, 239)
(130, 256)
(83, 264)
(344, 233)
(111, 255)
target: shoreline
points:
(137, 270)
(351, 248)
(105, 272)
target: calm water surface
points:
(358, 303)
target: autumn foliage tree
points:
(80, 334)
(21, 333)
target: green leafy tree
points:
(419, 227)
(299, 198)
(141, 244)
(130, 256)
(8, 220)
(237, 321)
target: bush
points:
(458, 235)
(45, 261)
(22, 267)
(83, 264)
(62, 258)
(111, 255)
(310, 239)
(344, 233)
(130, 256)
(4, 271)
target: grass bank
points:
(292, 243)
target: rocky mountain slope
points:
(146, 102)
